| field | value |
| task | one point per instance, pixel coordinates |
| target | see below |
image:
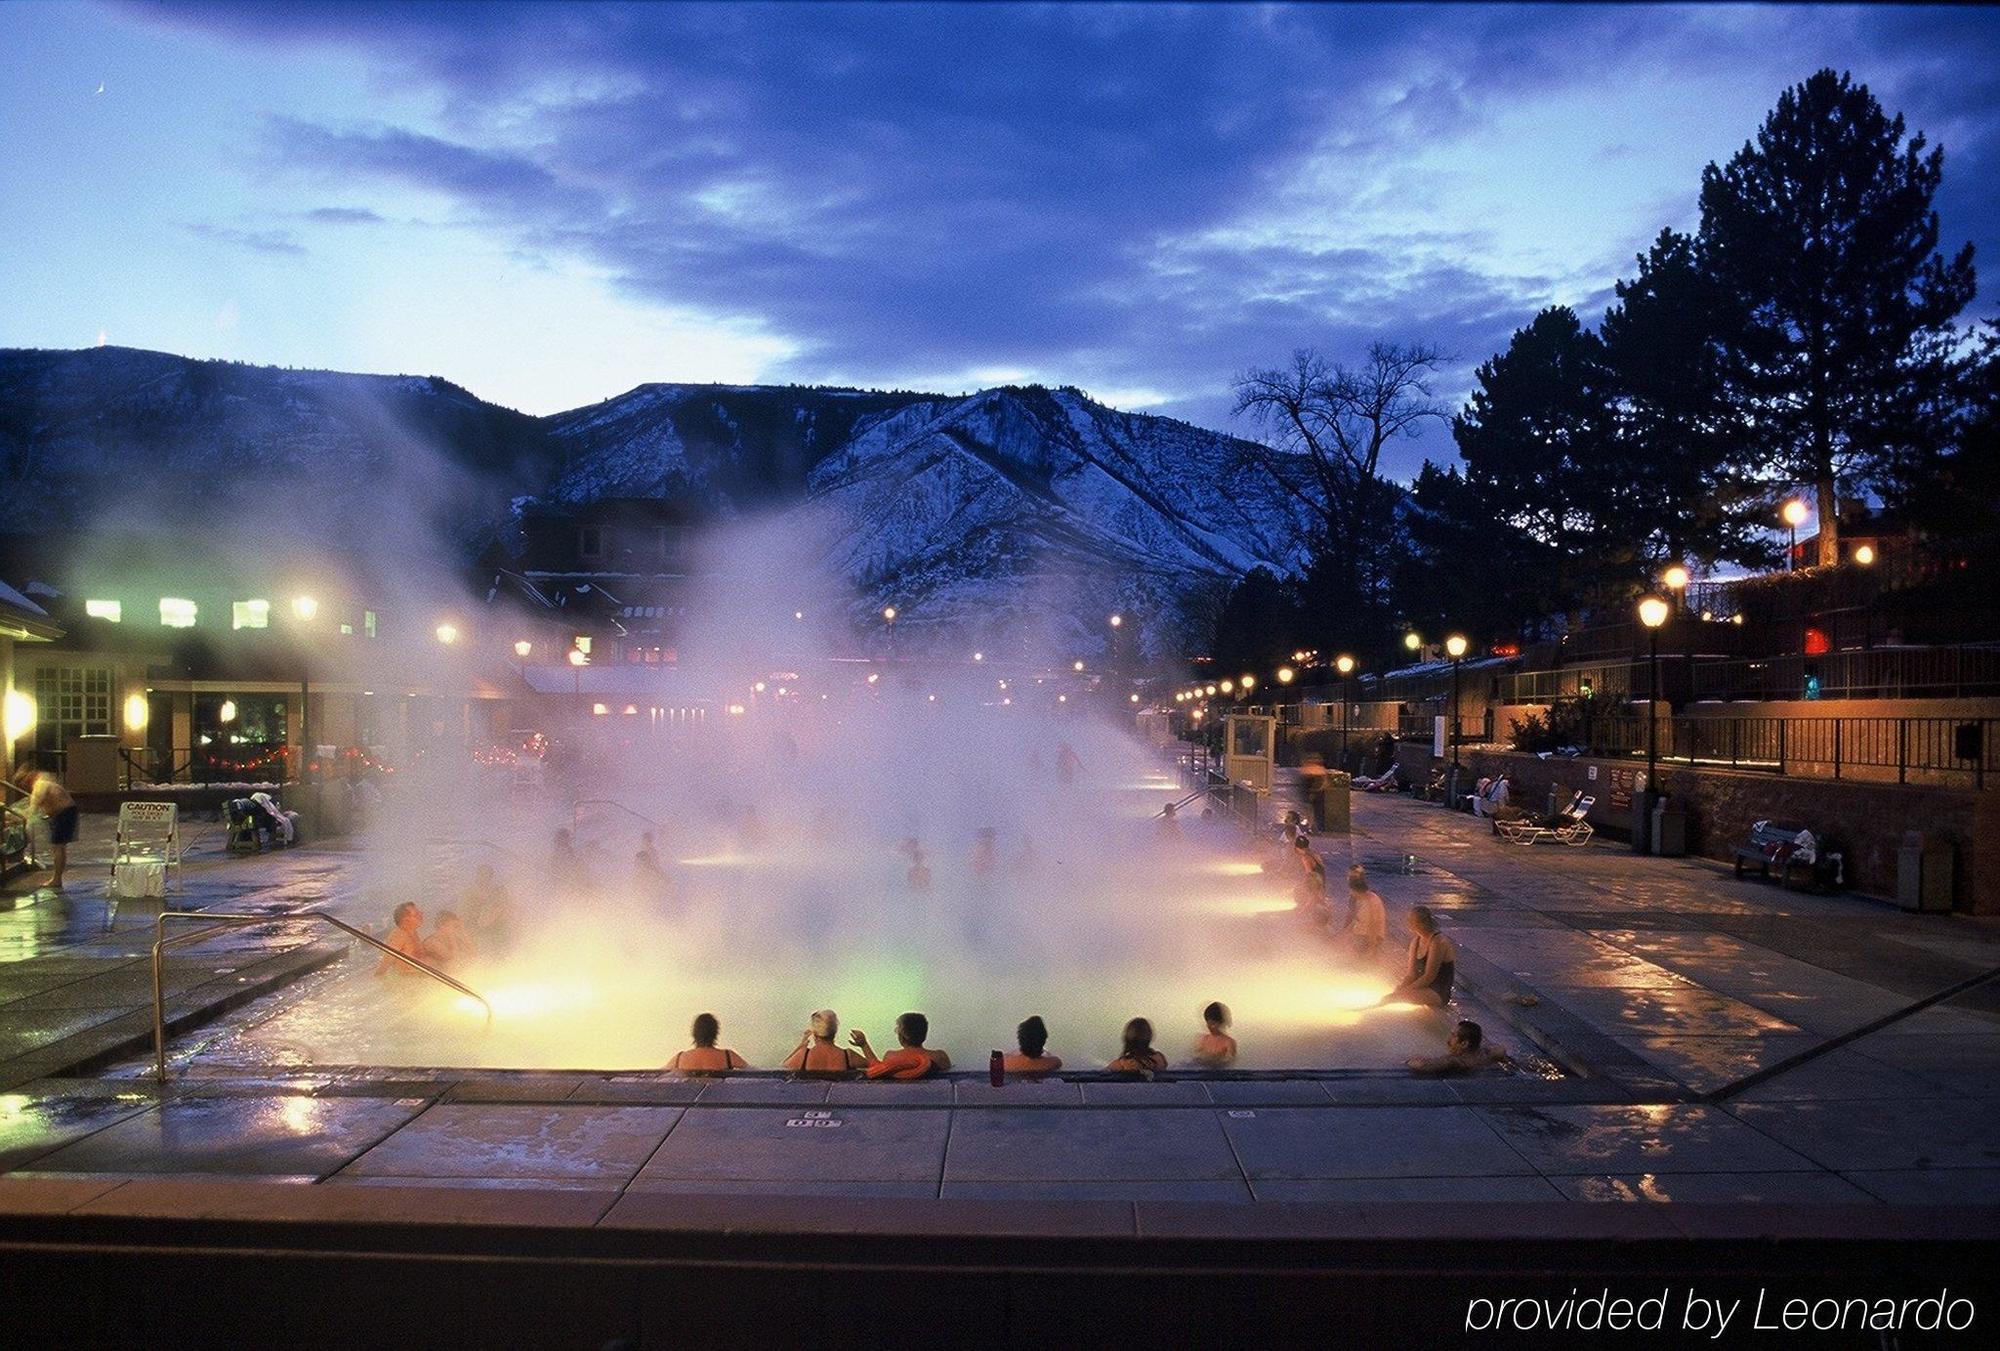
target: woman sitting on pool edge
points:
(1138, 1057)
(705, 1057)
(820, 1053)
(1433, 964)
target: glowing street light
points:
(798, 614)
(578, 657)
(523, 648)
(1793, 513)
(1864, 554)
(1653, 612)
(304, 608)
(1344, 664)
(1454, 647)
(1247, 683)
(1286, 675)
(1134, 698)
(888, 614)
(1076, 666)
(1228, 686)
(1675, 578)
(979, 656)
(447, 634)
(1412, 640)
(1116, 621)
(1211, 688)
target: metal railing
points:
(1951, 751)
(260, 761)
(222, 922)
(1965, 671)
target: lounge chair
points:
(1569, 826)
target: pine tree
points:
(1822, 234)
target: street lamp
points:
(1653, 612)
(1286, 675)
(1864, 554)
(303, 610)
(1116, 621)
(1412, 641)
(523, 648)
(1675, 579)
(1793, 513)
(447, 634)
(1454, 647)
(1345, 665)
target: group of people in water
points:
(820, 1053)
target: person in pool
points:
(705, 1057)
(1368, 920)
(405, 936)
(449, 945)
(910, 1060)
(1215, 1049)
(1138, 1057)
(819, 1051)
(1466, 1050)
(1033, 1057)
(1433, 963)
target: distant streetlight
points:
(1653, 612)
(304, 608)
(1076, 666)
(1345, 665)
(1675, 579)
(447, 634)
(798, 614)
(1247, 683)
(523, 648)
(1864, 554)
(1286, 675)
(1134, 698)
(888, 614)
(1211, 688)
(979, 656)
(1793, 513)
(1454, 647)
(1413, 641)
(1228, 687)
(1116, 620)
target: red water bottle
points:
(996, 1070)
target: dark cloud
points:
(909, 191)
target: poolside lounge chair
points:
(1569, 826)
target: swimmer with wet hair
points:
(1465, 1051)
(910, 1060)
(405, 936)
(1138, 1055)
(1215, 1049)
(705, 1057)
(1033, 1058)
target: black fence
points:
(253, 762)
(1969, 671)
(1960, 752)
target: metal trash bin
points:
(1926, 873)
(1670, 828)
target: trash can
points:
(1926, 873)
(1334, 809)
(1670, 828)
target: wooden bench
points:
(1773, 842)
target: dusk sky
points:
(550, 206)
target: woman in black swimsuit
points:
(1433, 963)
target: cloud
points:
(274, 242)
(343, 215)
(1146, 199)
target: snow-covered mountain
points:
(1024, 513)
(116, 436)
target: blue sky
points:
(550, 205)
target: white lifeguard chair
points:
(147, 849)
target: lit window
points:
(109, 610)
(347, 630)
(368, 622)
(176, 613)
(250, 614)
(583, 643)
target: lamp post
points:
(1345, 665)
(578, 659)
(1793, 513)
(1653, 612)
(304, 608)
(1454, 647)
(889, 622)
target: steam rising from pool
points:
(783, 833)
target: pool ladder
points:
(221, 922)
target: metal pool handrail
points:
(224, 921)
